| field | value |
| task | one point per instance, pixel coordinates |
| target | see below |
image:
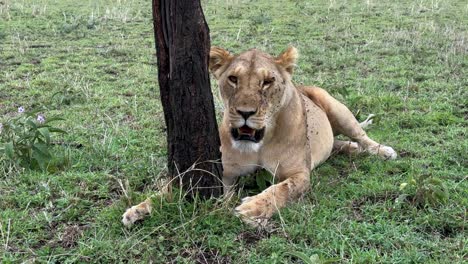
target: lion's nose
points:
(246, 114)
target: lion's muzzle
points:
(247, 133)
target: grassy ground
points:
(92, 62)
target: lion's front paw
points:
(256, 210)
(136, 213)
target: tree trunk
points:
(183, 45)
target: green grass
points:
(93, 63)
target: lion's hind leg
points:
(343, 122)
(346, 147)
(350, 147)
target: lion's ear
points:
(288, 59)
(218, 59)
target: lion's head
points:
(254, 87)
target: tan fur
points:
(299, 124)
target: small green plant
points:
(67, 97)
(264, 179)
(25, 139)
(426, 189)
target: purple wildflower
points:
(20, 109)
(40, 119)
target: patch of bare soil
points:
(70, 236)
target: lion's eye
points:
(268, 81)
(233, 79)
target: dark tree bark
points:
(183, 45)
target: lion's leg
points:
(346, 147)
(229, 182)
(258, 209)
(136, 212)
(350, 147)
(343, 122)
(143, 209)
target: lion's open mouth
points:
(247, 133)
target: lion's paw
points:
(136, 213)
(255, 210)
(386, 152)
(369, 120)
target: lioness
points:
(270, 123)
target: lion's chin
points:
(246, 146)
